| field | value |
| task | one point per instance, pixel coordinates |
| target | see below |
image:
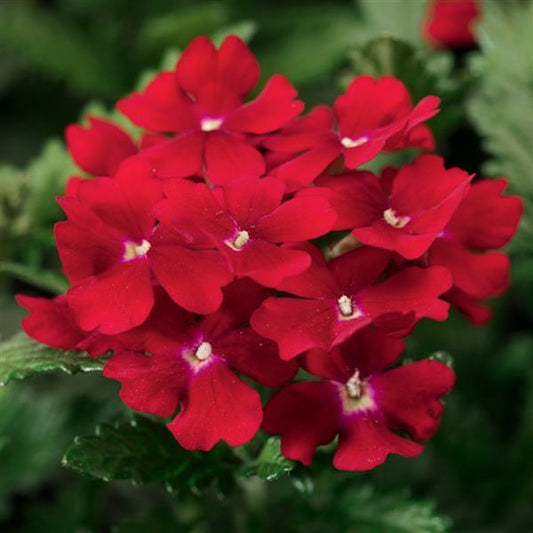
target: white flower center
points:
(347, 309)
(132, 250)
(211, 124)
(395, 220)
(354, 386)
(348, 142)
(203, 351)
(239, 241)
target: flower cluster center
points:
(395, 220)
(348, 142)
(132, 250)
(211, 124)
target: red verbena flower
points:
(449, 23)
(202, 104)
(111, 249)
(341, 297)
(404, 211)
(371, 116)
(246, 219)
(192, 363)
(361, 402)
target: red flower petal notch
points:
(371, 116)
(110, 249)
(203, 104)
(485, 220)
(192, 364)
(361, 402)
(247, 219)
(342, 297)
(450, 23)
(100, 148)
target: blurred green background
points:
(60, 58)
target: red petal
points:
(85, 244)
(383, 235)
(52, 322)
(296, 325)
(195, 202)
(150, 384)
(114, 301)
(125, 202)
(485, 219)
(365, 442)
(228, 157)
(162, 106)
(267, 263)
(425, 184)
(413, 289)
(250, 199)
(357, 198)
(255, 357)
(359, 268)
(369, 350)
(179, 157)
(479, 275)
(192, 277)
(218, 406)
(303, 169)
(306, 415)
(410, 396)
(100, 148)
(477, 313)
(297, 219)
(316, 281)
(272, 109)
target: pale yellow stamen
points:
(211, 124)
(132, 250)
(348, 142)
(203, 351)
(347, 309)
(354, 386)
(395, 220)
(240, 240)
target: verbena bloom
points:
(202, 103)
(111, 249)
(404, 211)
(450, 23)
(246, 219)
(371, 116)
(361, 401)
(339, 298)
(192, 363)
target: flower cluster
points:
(237, 239)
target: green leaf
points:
(143, 451)
(46, 280)
(270, 463)
(371, 512)
(22, 357)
